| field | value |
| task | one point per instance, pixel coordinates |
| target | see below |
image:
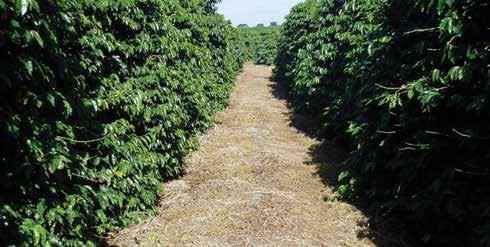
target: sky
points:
(252, 12)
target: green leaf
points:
(57, 163)
(11, 211)
(446, 24)
(40, 208)
(419, 86)
(410, 93)
(436, 75)
(456, 73)
(65, 18)
(67, 109)
(101, 215)
(96, 161)
(472, 54)
(15, 24)
(28, 66)
(37, 37)
(51, 99)
(22, 6)
(119, 174)
(440, 5)
(39, 235)
(343, 175)
(385, 39)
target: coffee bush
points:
(100, 101)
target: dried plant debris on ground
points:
(253, 182)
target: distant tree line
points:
(272, 24)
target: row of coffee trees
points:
(260, 44)
(406, 84)
(99, 102)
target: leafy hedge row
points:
(99, 100)
(260, 44)
(407, 83)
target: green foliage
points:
(407, 83)
(295, 50)
(210, 5)
(99, 101)
(260, 44)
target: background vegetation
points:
(260, 43)
(99, 101)
(406, 84)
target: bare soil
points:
(254, 181)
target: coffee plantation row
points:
(406, 84)
(260, 44)
(100, 101)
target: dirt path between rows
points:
(253, 182)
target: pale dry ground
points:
(251, 183)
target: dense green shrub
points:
(296, 36)
(260, 44)
(407, 83)
(100, 100)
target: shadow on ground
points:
(329, 157)
(302, 122)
